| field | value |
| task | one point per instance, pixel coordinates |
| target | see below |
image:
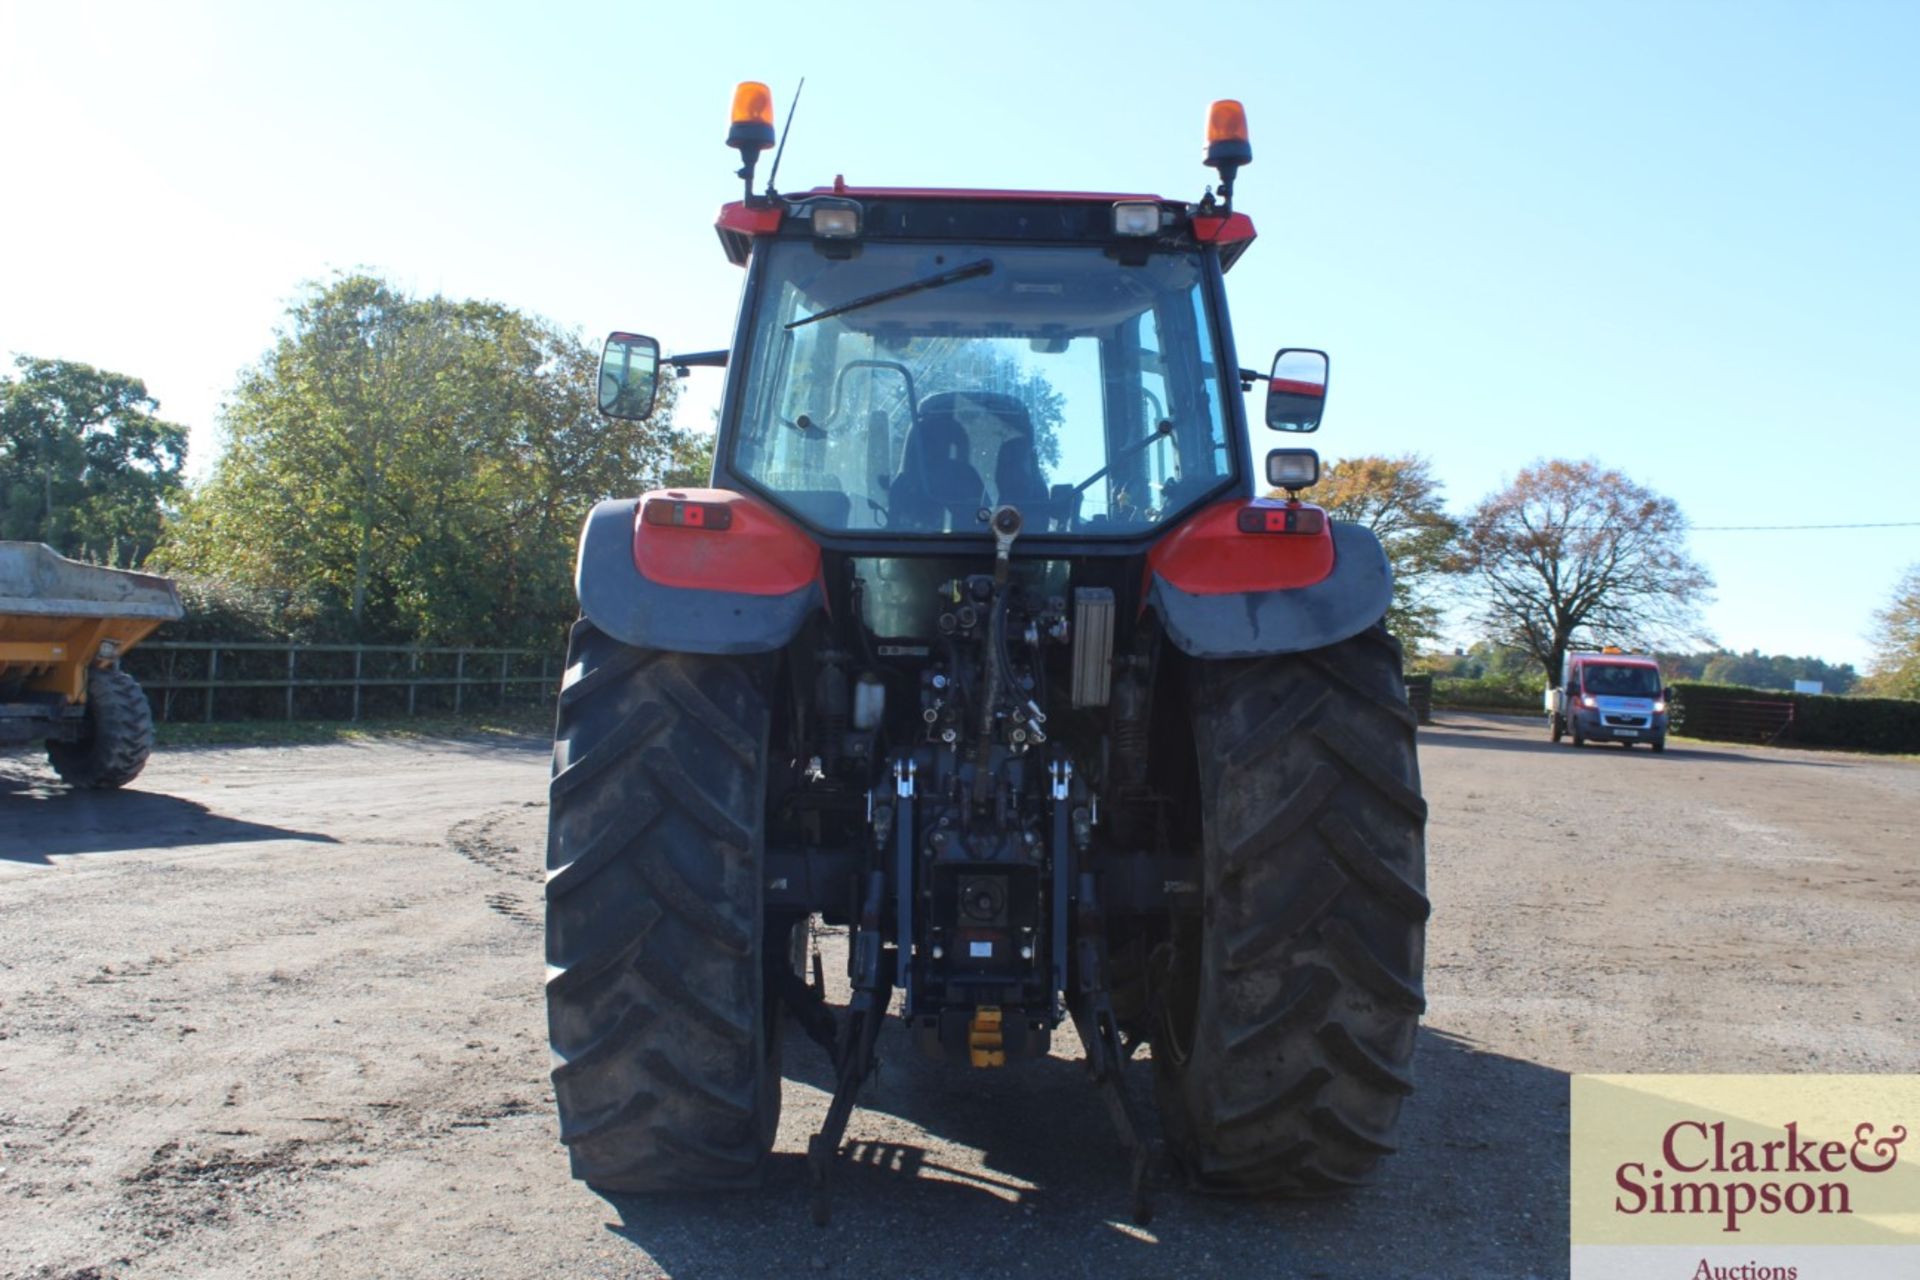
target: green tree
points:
(1573, 554)
(1400, 500)
(85, 466)
(1895, 672)
(422, 464)
(689, 460)
(1758, 670)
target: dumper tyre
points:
(666, 1046)
(1289, 1009)
(119, 734)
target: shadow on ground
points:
(1479, 1187)
(40, 818)
(1494, 735)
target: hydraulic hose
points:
(990, 696)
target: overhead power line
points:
(1753, 528)
(1721, 528)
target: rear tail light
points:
(1286, 519)
(687, 514)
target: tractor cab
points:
(909, 361)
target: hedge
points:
(1819, 720)
(1490, 693)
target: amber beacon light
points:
(1227, 143)
(752, 129)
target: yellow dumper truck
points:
(63, 627)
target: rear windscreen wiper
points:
(968, 272)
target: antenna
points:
(784, 130)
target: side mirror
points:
(1297, 389)
(629, 375)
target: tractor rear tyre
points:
(667, 1046)
(1289, 1010)
(119, 734)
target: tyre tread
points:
(1310, 948)
(667, 1074)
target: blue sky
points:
(1678, 238)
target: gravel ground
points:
(277, 1012)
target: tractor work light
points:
(1136, 218)
(836, 219)
(1292, 469)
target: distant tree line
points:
(1758, 670)
(395, 468)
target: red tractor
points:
(983, 646)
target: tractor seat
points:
(996, 426)
(937, 488)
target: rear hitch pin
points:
(903, 772)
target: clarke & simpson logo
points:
(1731, 1188)
(1744, 1177)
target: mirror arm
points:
(691, 359)
(1248, 377)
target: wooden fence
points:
(252, 680)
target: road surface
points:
(277, 1012)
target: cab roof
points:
(840, 188)
(941, 213)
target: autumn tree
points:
(1895, 672)
(85, 465)
(1400, 500)
(422, 464)
(1571, 553)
